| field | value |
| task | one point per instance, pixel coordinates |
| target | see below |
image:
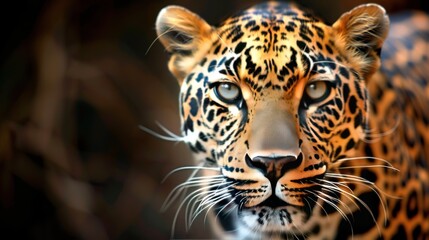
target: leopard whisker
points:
(188, 184)
(242, 202)
(169, 137)
(334, 189)
(318, 204)
(220, 38)
(158, 37)
(307, 55)
(369, 166)
(359, 180)
(302, 234)
(208, 197)
(372, 186)
(351, 196)
(334, 200)
(178, 190)
(192, 202)
(166, 130)
(196, 168)
(332, 204)
(224, 207)
(370, 131)
(337, 183)
(295, 235)
(389, 165)
(215, 202)
(172, 137)
(179, 209)
(211, 196)
(199, 191)
(191, 215)
(374, 137)
(218, 186)
(206, 204)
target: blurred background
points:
(77, 78)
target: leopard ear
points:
(361, 33)
(185, 35)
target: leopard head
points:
(272, 100)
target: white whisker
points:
(374, 137)
(199, 191)
(224, 207)
(370, 185)
(332, 204)
(317, 203)
(196, 168)
(178, 190)
(190, 216)
(334, 190)
(188, 184)
(389, 165)
(225, 44)
(209, 198)
(369, 166)
(158, 37)
(169, 137)
(209, 206)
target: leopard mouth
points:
(231, 212)
(272, 202)
(273, 208)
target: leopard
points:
(302, 129)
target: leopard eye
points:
(317, 91)
(227, 92)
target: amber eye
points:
(227, 92)
(317, 91)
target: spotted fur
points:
(298, 129)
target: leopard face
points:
(274, 105)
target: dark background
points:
(77, 78)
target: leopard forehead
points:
(270, 45)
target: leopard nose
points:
(273, 167)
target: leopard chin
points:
(273, 217)
(269, 220)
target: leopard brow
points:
(326, 75)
